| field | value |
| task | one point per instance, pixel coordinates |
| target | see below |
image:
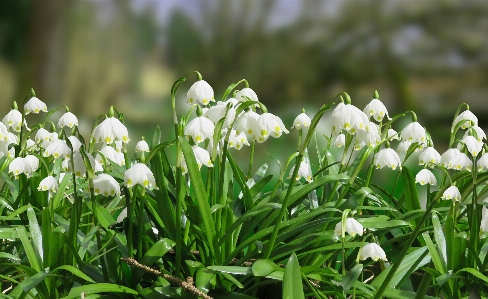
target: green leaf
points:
(410, 190)
(75, 271)
(34, 261)
(264, 267)
(351, 277)
(292, 280)
(33, 281)
(475, 273)
(440, 239)
(399, 294)
(237, 270)
(99, 288)
(434, 254)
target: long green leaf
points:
(34, 261)
(292, 280)
(75, 271)
(99, 288)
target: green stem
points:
(131, 216)
(251, 160)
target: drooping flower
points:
(202, 92)
(414, 132)
(13, 120)
(245, 93)
(12, 138)
(3, 132)
(448, 155)
(376, 109)
(304, 171)
(373, 251)
(68, 120)
(106, 185)
(57, 149)
(202, 156)
(43, 135)
(460, 162)
(371, 137)
(392, 134)
(302, 121)
(452, 193)
(20, 165)
(247, 122)
(269, 125)
(348, 118)
(340, 140)
(387, 157)
(473, 145)
(403, 147)
(75, 143)
(477, 132)
(3, 148)
(482, 163)
(484, 220)
(33, 162)
(110, 153)
(352, 227)
(425, 176)
(467, 116)
(35, 106)
(200, 128)
(430, 157)
(142, 146)
(110, 130)
(79, 164)
(237, 140)
(48, 184)
(139, 174)
(218, 111)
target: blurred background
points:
(426, 56)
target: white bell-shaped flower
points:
(387, 157)
(48, 184)
(448, 155)
(484, 220)
(3, 132)
(237, 141)
(217, 112)
(35, 106)
(371, 137)
(269, 125)
(353, 227)
(142, 147)
(348, 118)
(202, 156)
(392, 135)
(79, 164)
(12, 138)
(482, 163)
(110, 130)
(430, 157)
(302, 121)
(106, 185)
(403, 147)
(304, 171)
(202, 92)
(13, 120)
(30, 145)
(473, 145)
(373, 251)
(452, 193)
(376, 109)
(460, 162)
(234, 102)
(110, 153)
(3, 148)
(246, 93)
(57, 149)
(139, 174)
(340, 140)
(33, 161)
(425, 176)
(477, 132)
(43, 135)
(20, 165)
(75, 143)
(200, 128)
(247, 122)
(414, 132)
(467, 116)
(68, 120)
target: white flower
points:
(13, 120)
(302, 121)
(53, 137)
(30, 145)
(79, 164)
(349, 118)
(414, 132)
(234, 102)
(48, 184)
(247, 122)
(118, 146)
(109, 130)
(484, 220)
(217, 112)
(246, 92)
(35, 106)
(43, 135)
(106, 185)
(237, 140)
(3, 148)
(392, 134)
(139, 174)
(269, 124)
(75, 143)
(376, 109)
(352, 227)
(110, 153)
(200, 128)
(374, 251)
(473, 145)
(304, 171)
(460, 162)
(202, 92)
(3, 132)
(403, 147)
(477, 132)
(57, 149)
(12, 138)
(20, 165)
(448, 155)
(371, 137)
(202, 156)
(142, 146)
(387, 157)
(471, 120)
(430, 157)
(33, 162)
(425, 176)
(68, 120)
(340, 140)
(452, 193)
(482, 163)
